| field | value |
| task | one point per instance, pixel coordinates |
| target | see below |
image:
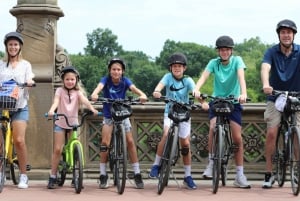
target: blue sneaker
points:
(154, 171)
(189, 183)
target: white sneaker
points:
(241, 182)
(23, 183)
(207, 174)
(269, 180)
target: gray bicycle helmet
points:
(224, 41)
(13, 35)
(286, 24)
(117, 60)
(177, 58)
(68, 69)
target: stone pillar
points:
(37, 22)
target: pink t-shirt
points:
(68, 105)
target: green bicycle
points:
(72, 158)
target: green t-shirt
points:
(225, 77)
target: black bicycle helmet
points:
(68, 69)
(224, 41)
(286, 24)
(117, 60)
(177, 58)
(13, 35)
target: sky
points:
(144, 25)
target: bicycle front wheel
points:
(294, 142)
(120, 166)
(217, 151)
(77, 168)
(167, 159)
(14, 167)
(227, 150)
(280, 156)
(2, 162)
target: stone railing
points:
(147, 128)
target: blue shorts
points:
(22, 114)
(235, 116)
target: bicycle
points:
(288, 142)
(72, 157)
(222, 142)
(8, 156)
(178, 112)
(120, 110)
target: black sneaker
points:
(103, 181)
(138, 181)
(269, 180)
(52, 183)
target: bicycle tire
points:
(14, 167)
(77, 167)
(217, 150)
(167, 159)
(2, 163)
(120, 166)
(281, 155)
(227, 150)
(294, 142)
(62, 170)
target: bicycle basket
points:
(222, 107)
(179, 113)
(120, 111)
(8, 95)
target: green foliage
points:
(145, 72)
(1, 54)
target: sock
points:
(210, 161)
(102, 168)
(187, 170)
(157, 160)
(136, 168)
(52, 176)
(239, 170)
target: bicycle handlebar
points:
(56, 115)
(191, 105)
(229, 98)
(127, 101)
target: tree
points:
(102, 43)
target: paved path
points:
(91, 192)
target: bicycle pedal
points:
(28, 167)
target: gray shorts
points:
(125, 122)
(272, 116)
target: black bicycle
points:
(178, 112)
(120, 110)
(288, 142)
(222, 143)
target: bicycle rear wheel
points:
(294, 142)
(167, 159)
(280, 154)
(120, 166)
(217, 151)
(2, 162)
(78, 167)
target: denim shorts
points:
(125, 122)
(22, 114)
(58, 129)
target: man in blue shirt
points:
(280, 70)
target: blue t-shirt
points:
(285, 70)
(177, 89)
(226, 80)
(113, 91)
